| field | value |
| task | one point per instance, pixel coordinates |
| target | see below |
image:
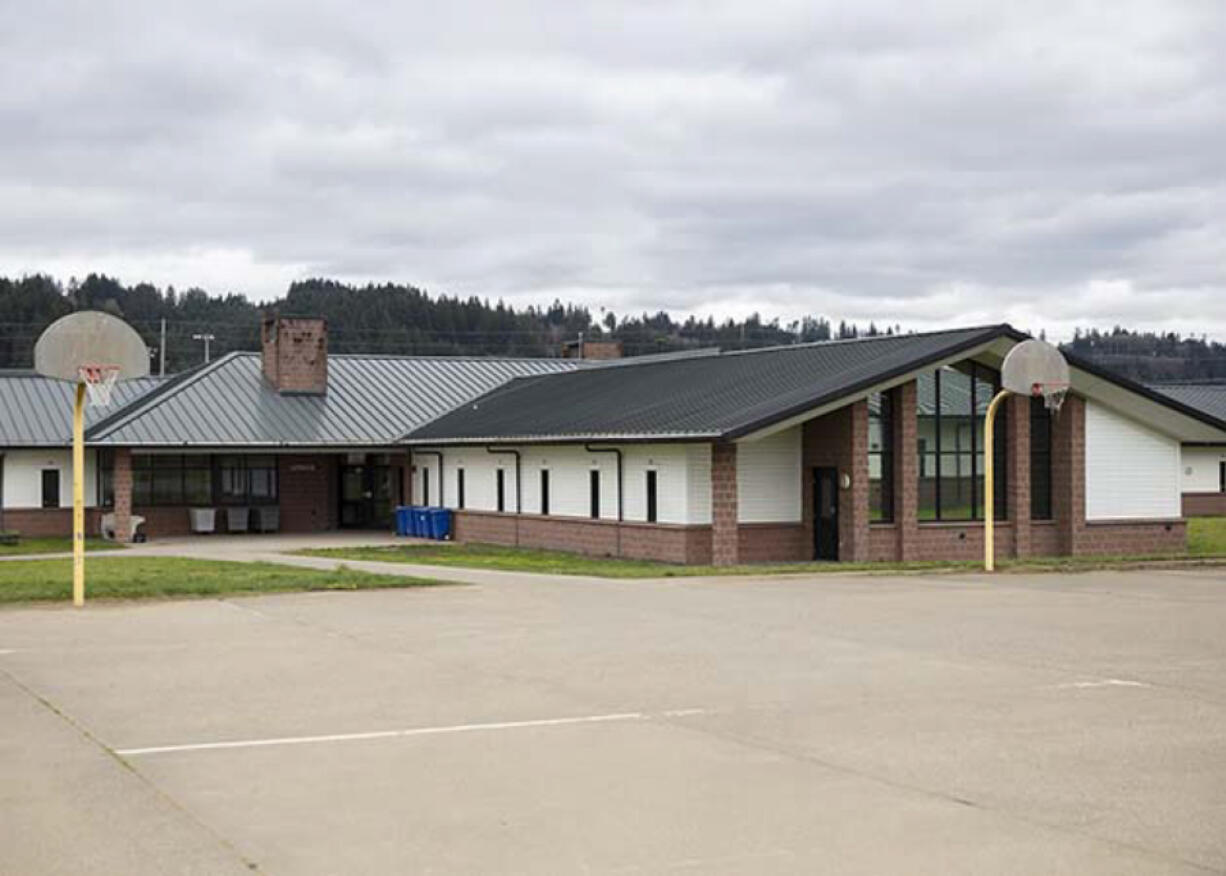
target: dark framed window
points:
(246, 480)
(545, 491)
(593, 491)
(881, 457)
(951, 405)
(500, 484)
(1040, 460)
(168, 479)
(106, 478)
(425, 485)
(459, 487)
(651, 496)
(1221, 477)
(51, 488)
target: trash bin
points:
(202, 519)
(237, 518)
(404, 520)
(421, 522)
(440, 523)
(266, 518)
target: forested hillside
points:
(401, 319)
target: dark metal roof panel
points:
(726, 395)
(36, 411)
(1208, 398)
(371, 400)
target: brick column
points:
(122, 484)
(853, 504)
(906, 471)
(724, 536)
(1017, 467)
(1068, 474)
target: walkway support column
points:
(1068, 474)
(121, 482)
(1017, 465)
(725, 546)
(906, 472)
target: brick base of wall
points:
(1204, 504)
(1107, 537)
(773, 543)
(664, 542)
(47, 522)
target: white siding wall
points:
(768, 478)
(1131, 470)
(1201, 469)
(23, 479)
(683, 480)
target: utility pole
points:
(162, 351)
(207, 339)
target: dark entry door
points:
(826, 513)
(356, 510)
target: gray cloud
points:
(1051, 163)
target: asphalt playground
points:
(829, 724)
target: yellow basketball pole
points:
(78, 498)
(989, 477)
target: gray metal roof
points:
(36, 411)
(371, 400)
(1208, 398)
(721, 396)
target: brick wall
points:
(883, 543)
(1068, 474)
(1204, 504)
(906, 472)
(840, 440)
(773, 543)
(665, 542)
(1017, 476)
(961, 541)
(725, 541)
(1112, 537)
(308, 489)
(48, 522)
(121, 480)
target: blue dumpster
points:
(440, 523)
(421, 522)
(404, 520)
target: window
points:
(951, 405)
(246, 480)
(425, 485)
(51, 488)
(545, 491)
(1221, 477)
(167, 479)
(459, 487)
(593, 491)
(651, 497)
(881, 457)
(500, 489)
(1040, 460)
(106, 478)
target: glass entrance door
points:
(356, 496)
(826, 513)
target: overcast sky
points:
(1052, 164)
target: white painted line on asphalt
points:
(1105, 682)
(4, 651)
(394, 734)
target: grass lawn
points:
(54, 546)
(1206, 539)
(151, 577)
(1207, 536)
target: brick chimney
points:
(295, 354)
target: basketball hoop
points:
(1052, 393)
(99, 382)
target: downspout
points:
(519, 484)
(620, 516)
(442, 501)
